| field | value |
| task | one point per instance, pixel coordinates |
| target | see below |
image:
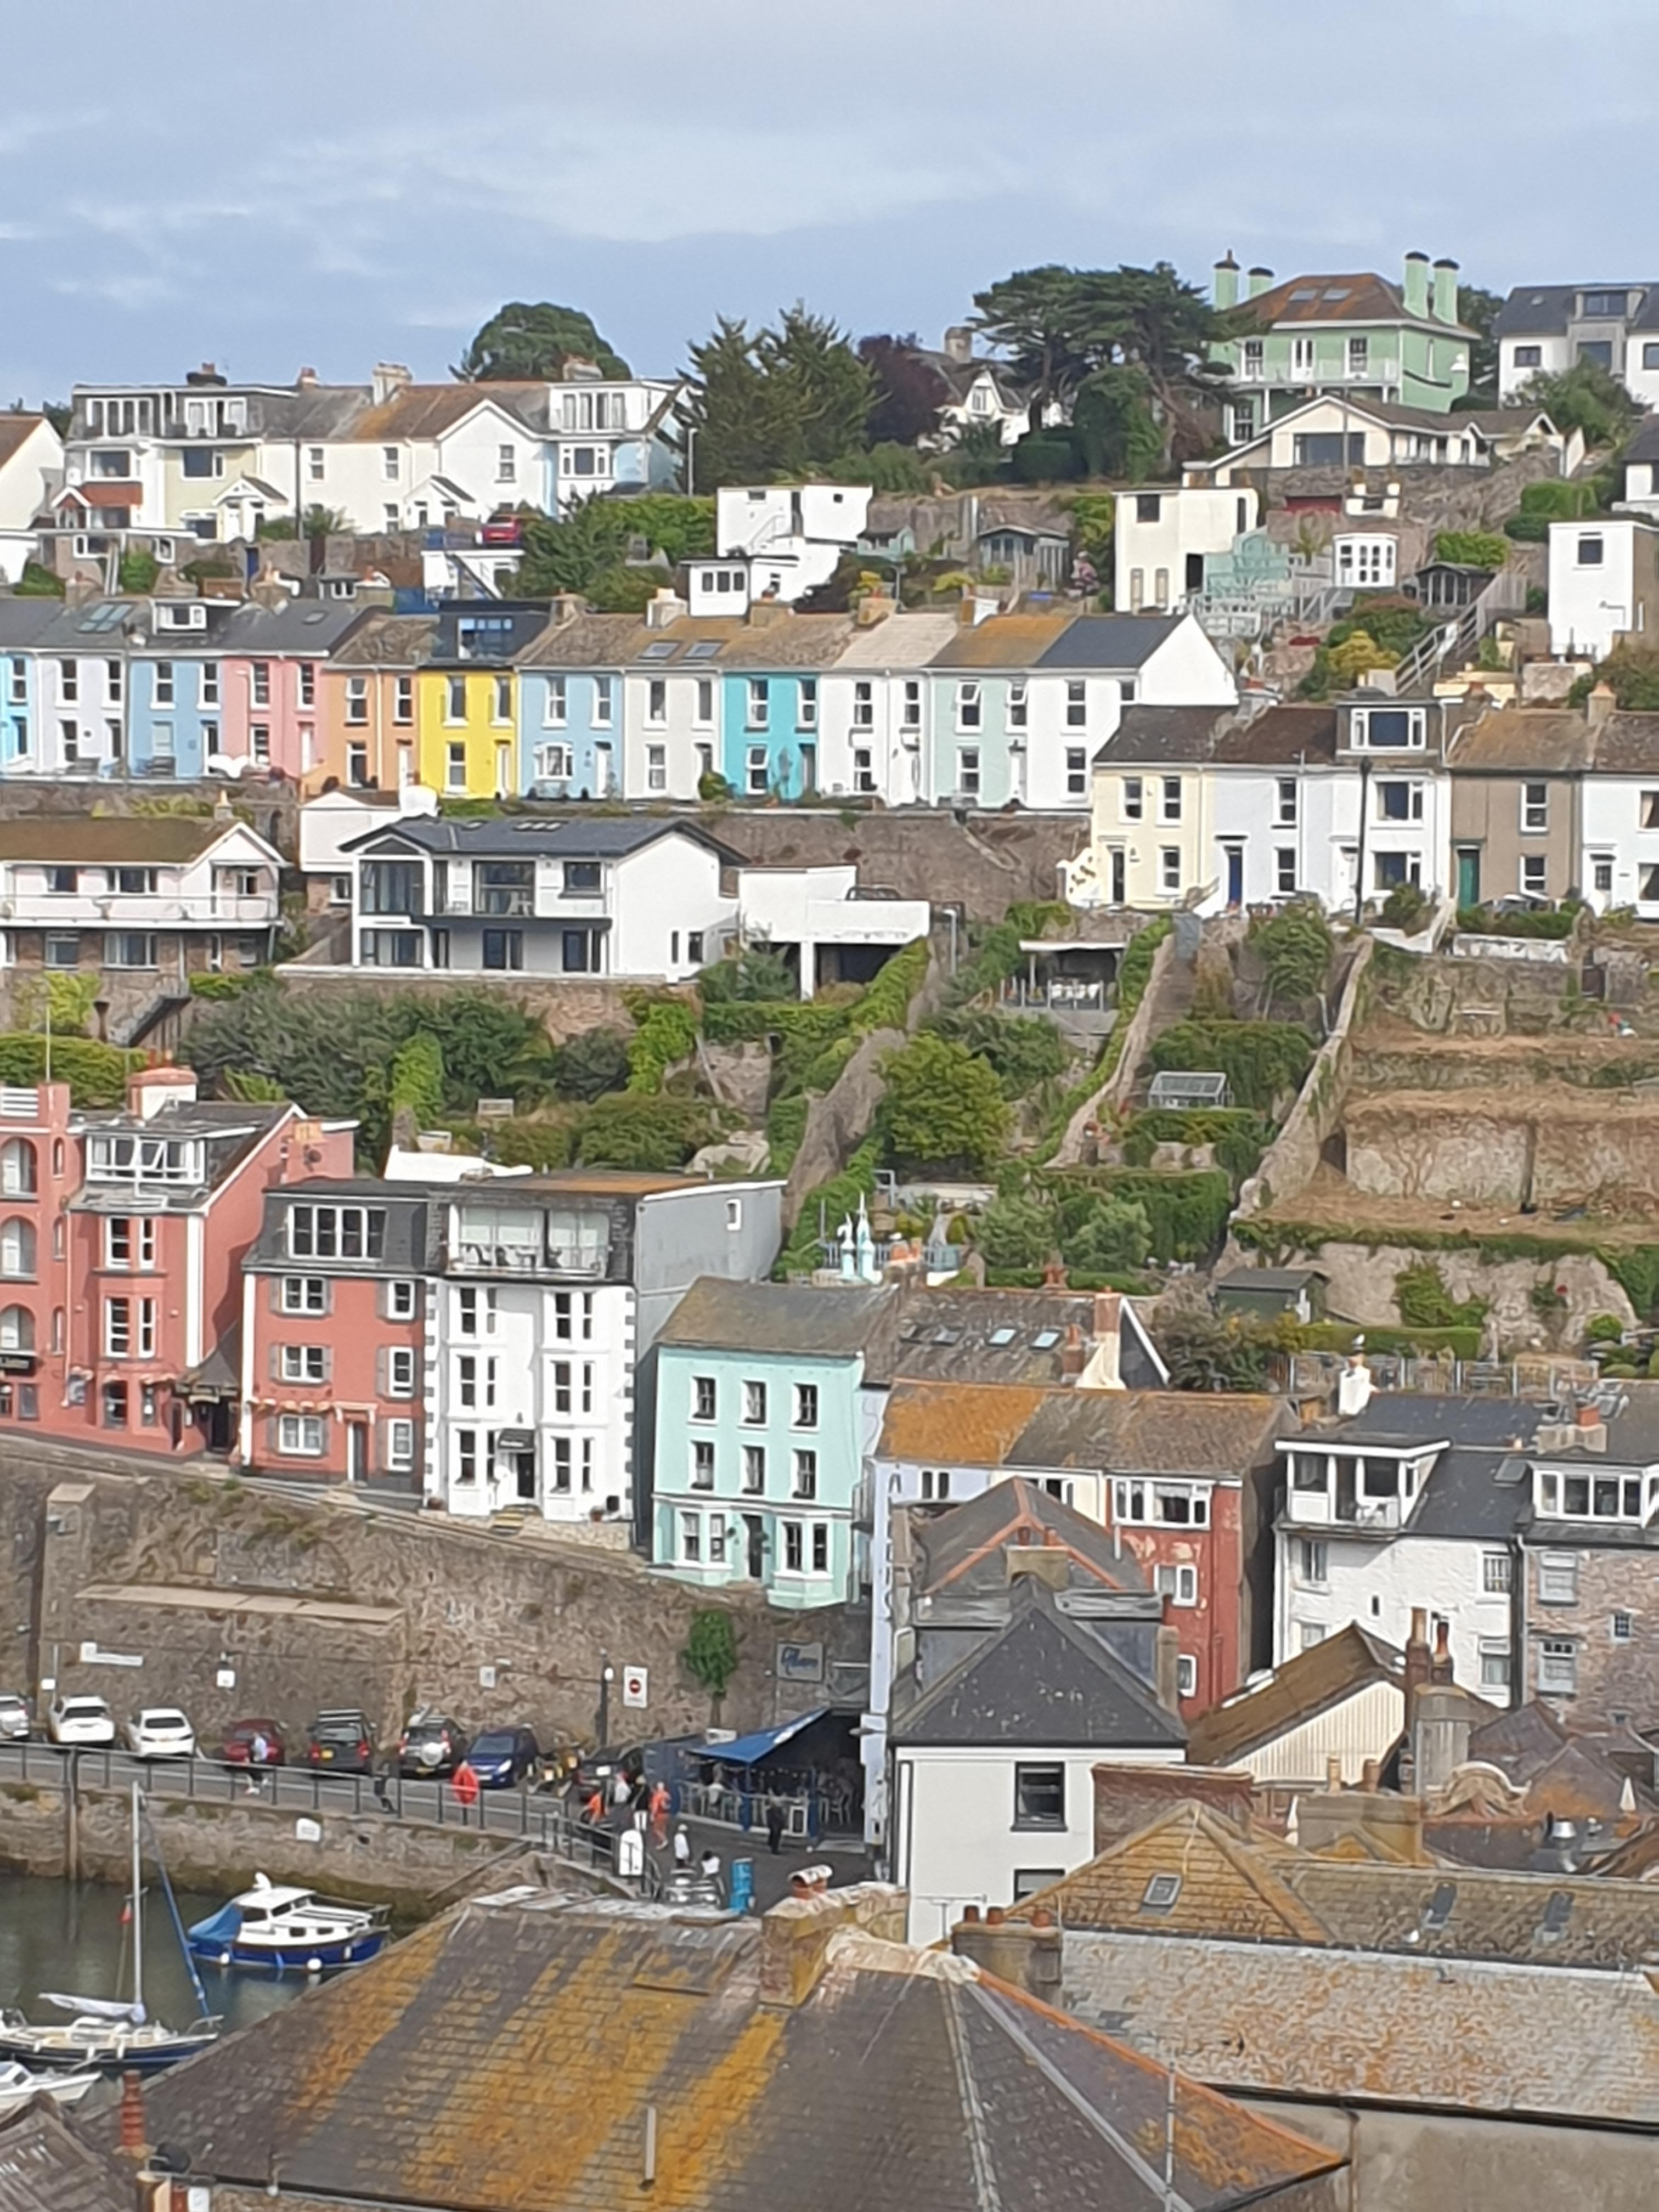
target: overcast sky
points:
(331, 182)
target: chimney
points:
(1130, 1798)
(1072, 1355)
(663, 608)
(1415, 290)
(1025, 1954)
(1445, 290)
(1226, 281)
(1439, 1738)
(150, 1088)
(1599, 704)
(268, 590)
(1418, 1661)
(1333, 1772)
(1440, 1666)
(874, 607)
(1105, 1370)
(765, 610)
(1046, 1563)
(305, 381)
(796, 1935)
(1259, 281)
(389, 376)
(1354, 1387)
(130, 2140)
(1054, 1272)
(566, 606)
(1166, 1668)
(959, 342)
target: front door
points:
(1119, 885)
(1235, 859)
(754, 1537)
(1468, 875)
(524, 1477)
(356, 1451)
(809, 771)
(601, 771)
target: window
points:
(502, 708)
(1018, 705)
(1312, 1561)
(806, 715)
(402, 1301)
(969, 708)
(1557, 1666)
(1602, 872)
(1534, 806)
(1496, 1573)
(259, 735)
(554, 764)
(864, 773)
(164, 684)
(1077, 772)
(1606, 303)
(1325, 449)
(506, 465)
(806, 1405)
(1557, 1578)
(399, 1445)
(69, 682)
(704, 713)
(1284, 803)
(968, 771)
(503, 950)
(820, 1548)
(1169, 863)
(806, 1475)
(305, 1294)
(140, 882)
(19, 690)
(758, 707)
(303, 1362)
(656, 702)
(794, 1548)
(1399, 802)
(130, 1241)
(1358, 356)
(17, 1247)
(1134, 799)
(1185, 1675)
(1178, 1583)
(1535, 875)
(1148, 505)
(754, 1402)
(400, 1371)
(455, 699)
(1040, 1796)
(656, 767)
(702, 1464)
(863, 706)
(357, 695)
(1379, 729)
(755, 768)
(1170, 799)
(1077, 705)
(1591, 550)
(126, 948)
(1251, 363)
(1284, 871)
(455, 767)
(467, 1456)
(475, 1312)
(935, 1485)
(753, 1468)
(336, 1232)
(1494, 1664)
(1528, 356)
(1621, 1627)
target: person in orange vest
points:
(659, 1814)
(465, 1783)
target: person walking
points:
(620, 1789)
(594, 1807)
(709, 1869)
(775, 1821)
(465, 1783)
(681, 1848)
(659, 1814)
(257, 1753)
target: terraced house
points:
(368, 721)
(466, 698)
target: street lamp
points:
(607, 1677)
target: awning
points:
(745, 1750)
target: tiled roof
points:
(1274, 2019)
(966, 1424)
(1365, 298)
(1534, 740)
(778, 1317)
(1003, 642)
(140, 839)
(1476, 1912)
(1627, 744)
(45, 2166)
(1150, 1432)
(961, 1550)
(1307, 1684)
(517, 2047)
(1227, 1886)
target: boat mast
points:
(137, 1918)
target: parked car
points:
(237, 1750)
(75, 1721)
(596, 1769)
(503, 1756)
(501, 530)
(431, 1744)
(341, 1739)
(14, 1723)
(161, 1732)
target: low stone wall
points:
(1288, 1165)
(1548, 1147)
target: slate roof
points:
(1378, 2028)
(1546, 310)
(148, 839)
(1533, 740)
(1280, 737)
(1305, 1685)
(24, 621)
(1159, 737)
(1110, 641)
(45, 2166)
(388, 640)
(1627, 744)
(598, 837)
(950, 1335)
(900, 641)
(513, 2032)
(962, 1550)
(1045, 1680)
(307, 626)
(1150, 1432)
(1645, 445)
(793, 1318)
(1477, 1490)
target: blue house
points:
(23, 623)
(572, 704)
(176, 703)
(769, 733)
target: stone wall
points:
(1614, 1677)
(1361, 1288)
(564, 1008)
(158, 1566)
(982, 862)
(1288, 1162)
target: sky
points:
(330, 183)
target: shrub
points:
(1295, 948)
(885, 1003)
(96, 1073)
(785, 1125)
(711, 1653)
(1023, 1052)
(667, 1033)
(1547, 922)
(757, 974)
(1240, 1138)
(1604, 1329)
(1113, 1237)
(1424, 1302)
(631, 1129)
(588, 1066)
(1044, 457)
(832, 1203)
(943, 1109)
(1631, 672)
(1356, 656)
(1472, 549)
(543, 1145)
(1260, 1060)
(1016, 1232)
(57, 1000)
(138, 570)
(1406, 908)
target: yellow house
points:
(467, 702)
(1149, 828)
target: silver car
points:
(14, 1723)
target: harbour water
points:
(70, 1936)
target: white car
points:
(80, 1720)
(161, 1732)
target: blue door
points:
(1235, 874)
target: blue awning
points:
(744, 1750)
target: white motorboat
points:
(18, 2087)
(277, 1929)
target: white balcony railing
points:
(139, 910)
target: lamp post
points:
(607, 1677)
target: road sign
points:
(634, 1682)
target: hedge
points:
(1239, 1136)
(96, 1073)
(1260, 1059)
(1187, 1213)
(785, 1125)
(1555, 922)
(666, 1034)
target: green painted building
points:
(1359, 336)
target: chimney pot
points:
(1053, 1274)
(1042, 1917)
(131, 2137)
(1371, 1774)
(994, 1915)
(1600, 705)
(1333, 1772)
(971, 1912)
(1073, 1356)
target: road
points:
(551, 1820)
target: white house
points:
(1543, 329)
(775, 542)
(875, 703)
(1162, 536)
(31, 461)
(1342, 1698)
(335, 819)
(1334, 432)
(1621, 824)
(837, 932)
(1603, 582)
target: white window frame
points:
(300, 1435)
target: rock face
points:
(1361, 1289)
(1552, 1147)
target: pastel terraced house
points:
(369, 725)
(1357, 335)
(466, 698)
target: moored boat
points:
(280, 1929)
(18, 2087)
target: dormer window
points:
(1388, 729)
(1564, 1494)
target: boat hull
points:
(105, 2054)
(287, 1958)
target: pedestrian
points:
(257, 1753)
(681, 1848)
(621, 1788)
(659, 1814)
(465, 1783)
(709, 1869)
(593, 1809)
(381, 1798)
(775, 1819)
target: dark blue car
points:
(503, 1756)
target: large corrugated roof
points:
(1307, 1684)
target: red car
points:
(501, 530)
(238, 1749)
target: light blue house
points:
(572, 704)
(770, 734)
(23, 623)
(764, 1420)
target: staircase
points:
(1449, 645)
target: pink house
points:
(271, 684)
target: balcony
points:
(1316, 1508)
(1385, 374)
(139, 910)
(468, 1257)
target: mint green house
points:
(764, 1420)
(1359, 336)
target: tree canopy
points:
(587, 550)
(790, 401)
(1586, 398)
(1476, 310)
(909, 390)
(527, 342)
(944, 1108)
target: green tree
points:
(1116, 427)
(1152, 321)
(1478, 310)
(1112, 1238)
(1035, 320)
(416, 1085)
(1295, 947)
(1586, 398)
(756, 974)
(1016, 1232)
(909, 390)
(1631, 672)
(711, 1653)
(138, 570)
(526, 344)
(589, 1065)
(834, 390)
(943, 1109)
(587, 550)
(785, 402)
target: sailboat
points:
(113, 2033)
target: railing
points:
(527, 1259)
(139, 910)
(1506, 594)
(1064, 994)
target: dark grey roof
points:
(24, 621)
(1109, 641)
(784, 1317)
(1154, 736)
(575, 838)
(307, 626)
(45, 2167)
(1270, 1279)
(1045, 1681)
(1643, 446)
(1477, 1491)
(1546, 310)
(405, 1247)
(943, 1336)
